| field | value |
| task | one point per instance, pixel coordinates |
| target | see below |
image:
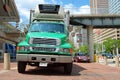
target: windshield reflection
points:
(47, 27)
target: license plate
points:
(43, 64)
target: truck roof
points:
(48, 12)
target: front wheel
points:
(68, 68)
(21, 67)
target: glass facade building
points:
(114, 6)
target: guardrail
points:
(114, 62)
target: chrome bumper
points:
(44, 58)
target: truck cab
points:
(46, 42)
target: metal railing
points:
(111, 61)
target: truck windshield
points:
(47, 27)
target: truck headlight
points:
(66, 50)
(23, 48)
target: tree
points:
(109, 44)
(74, 49)
(97, 47)
(84, 49)
(117, 43)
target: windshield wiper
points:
(54, 31)
(34, 31)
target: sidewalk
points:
(81, 71)
(12, 65)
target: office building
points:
(78, 36)
(99, 6)
(114, 6)
(100, 35)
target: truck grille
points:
(44, 49)
(44, 41)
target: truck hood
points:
(45, 35)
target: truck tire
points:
(21, 67)
(68, 68)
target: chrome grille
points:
(44, 41)
(44, 49)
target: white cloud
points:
(25, 12)
(29, 4)
(21, 20)
(85, 9)
(24, 7)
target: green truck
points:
(46, 42)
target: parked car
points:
(81, 57)
(108, 55)
(117, 55)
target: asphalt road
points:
(81, 71)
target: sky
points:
(74, 6)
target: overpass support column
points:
(90, 42)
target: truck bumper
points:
(44, 58)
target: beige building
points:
(99, 6)
(100, 35)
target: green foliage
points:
(71, 42)
(109, 44)
(84, 49)
(97, 47)
(117, 42)
(74, 49)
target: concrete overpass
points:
(9, 33)
(95, 21)
(9, 13)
